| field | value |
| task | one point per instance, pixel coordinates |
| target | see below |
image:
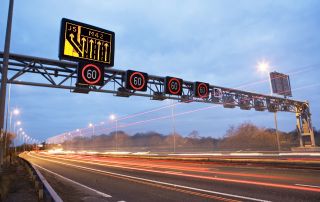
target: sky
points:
(219, 42)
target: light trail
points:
(176, 187)
(188, 168)
(238, 181)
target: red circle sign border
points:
(85, 79)
(198, 89)
(171, 91)
(143, 81)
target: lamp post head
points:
(112, 117)
(263, 67)
(16, 112)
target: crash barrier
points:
(44, 191)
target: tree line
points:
(245, 137)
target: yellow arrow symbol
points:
(72, 36)
(91, 42)
(106, 45)
(99, 43)
(83, 42)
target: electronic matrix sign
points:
(201, 90)
(136, 80)
(90, 74)
(82, 42)
(173, 86)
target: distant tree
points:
(194, 135)
(248, 137)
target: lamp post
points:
(265, 68)
(23, 140)
(18, 123)
(114, 118)
(14, 112)
(173, 128)
(4, 78)
(91, 125)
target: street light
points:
(113, 117)
(18, 123)
(14, 112)
(91, 126)
(264, 67)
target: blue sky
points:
(219, 42)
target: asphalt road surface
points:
(94, 178)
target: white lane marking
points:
(245, 154)
(77, 183)
(306, 185)
(172, 172)
(154, 181)
(195, 154)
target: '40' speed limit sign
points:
(90, 74)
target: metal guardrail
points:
(44, 190)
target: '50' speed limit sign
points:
(90, 74)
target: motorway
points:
(105, 178)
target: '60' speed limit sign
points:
(90, 74)
(136, 80)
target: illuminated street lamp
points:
(79, 131)
(16, 111)
(263, 67)
(113, 117)
(18, 123)
(91, 126)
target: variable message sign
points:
(82, 42)
(136, 80)
(280, 84)
(90, 74)
(201, 90)
(173, 86)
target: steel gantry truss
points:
(43, 72)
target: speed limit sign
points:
(136, 80)
(173, 85)
(201, 90)
(90, 74)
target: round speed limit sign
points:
(201, 90)
(90, 74)
(173, 86)
(136, 80)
